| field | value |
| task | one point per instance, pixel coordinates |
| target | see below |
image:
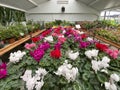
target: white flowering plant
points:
(75, 64)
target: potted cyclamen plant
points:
(1, 44)
(36, 26)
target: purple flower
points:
(3, 70)
(77, 38)
(37, 54)
(57, 45)
(44, 46)
(93, 41)
(3, 73)
(67, 33)
(3, 66)
(84, 44)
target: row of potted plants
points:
(113, 36)
(17, 31)
(104, 24)
(62, 59)
(107, 29)
(58, 23)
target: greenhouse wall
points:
(68, 17)
(74, 11)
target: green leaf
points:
(102, 77)
(76, 86)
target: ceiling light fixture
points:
(33, 2)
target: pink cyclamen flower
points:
(60, 35)
(108, 51)
(112, 53)
(54, 34)
(30, 46)
(61, 39)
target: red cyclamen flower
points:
(83, 36)
(55, 54)
(35, 39)
(45, 33)
(101, 47)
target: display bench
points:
(17, 43)
(103, 39)
(108, 41)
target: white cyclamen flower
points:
(110, 86)
(30, 83)
(104, 70)
(49, 39)
(27, 75)
(89, 39)
(41, 72)
(21, 34)
(35, 81)
(105, 59)
(67, 71)
(95, 65)
(72, 55)
(39, 85)
(81, 32)
(92, 53)
(104, 62)
(16, 56)
(114, 77)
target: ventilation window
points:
(62, 1)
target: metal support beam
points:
(34, 3)
(12, 7)
(105, 15)
(93, 2)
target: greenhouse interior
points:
(59, 44)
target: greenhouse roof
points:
(26, 5)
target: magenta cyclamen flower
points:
(3, 66)
(44, 46)
(37, 54)
(3, 70)
(57, 45)
(3, 73)
(77, 38)
(67, 33)
(84, 44)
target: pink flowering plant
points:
(63, 59)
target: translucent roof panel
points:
(99, 5)
(22, 4)
(102, 4)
